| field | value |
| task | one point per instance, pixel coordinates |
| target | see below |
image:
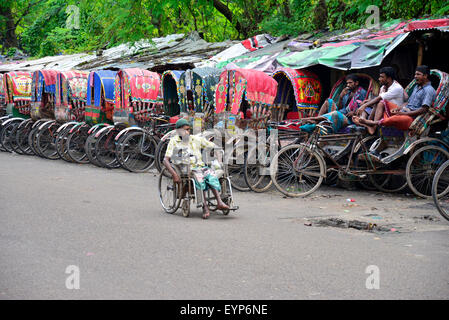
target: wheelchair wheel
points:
(421, 169)
(440, 198)
(297, 170)
(169, 192)
(185, 207)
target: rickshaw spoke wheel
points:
(421, 169)
(297, 170)
(440, 192)
(137, 152)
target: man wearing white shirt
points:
(390, 91)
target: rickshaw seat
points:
(292, 115)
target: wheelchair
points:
(185, 194)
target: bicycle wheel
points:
(76, 144)
(169, 192)
(90, 148)
(137, 151)
(7, 136)
(23, 131)
(105, 149)
(46, 141)
(160, 153)
(440, 182)
(256, 169)
(421, 169)
(296, 170)
(61, 141)
(32, 140)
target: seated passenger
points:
(402, 116)
(350, 97)
(352, 100)
(204, 177)
(390, 92)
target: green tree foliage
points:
(40, 28)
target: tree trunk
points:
(10, 34)
(224, 10)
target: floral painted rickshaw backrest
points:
(253, 85)
(17, 86)
(135, 85)
(71, 85)
(371, 86)
(202, 82)
(306, 88)
(170, 90)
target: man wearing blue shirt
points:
(418, 103)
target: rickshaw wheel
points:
(169, 192)
(297, 171)
(441, 199)
(7, 135)
(421, 169)
(251, 169)
(137, 154)
(76, 145)
(105, 149)
(22, 133)
(45, 141)
(160, 153)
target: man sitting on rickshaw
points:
(390, 91)
(191, 146)
(349, 99)
(402, 116)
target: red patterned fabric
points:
(427, 24)
(49, 76)
(21, 85)
(137, 85)
(255, 86)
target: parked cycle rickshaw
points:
(17, 90)
(298, 170)
(97, 114)
(243, 104)
(128, 143)
(298, 95)
(70, 103)
(43, 97)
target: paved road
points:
(110, 225)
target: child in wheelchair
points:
(185, 150)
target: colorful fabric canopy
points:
(305, 84)
(255, 86)
(17, 86)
